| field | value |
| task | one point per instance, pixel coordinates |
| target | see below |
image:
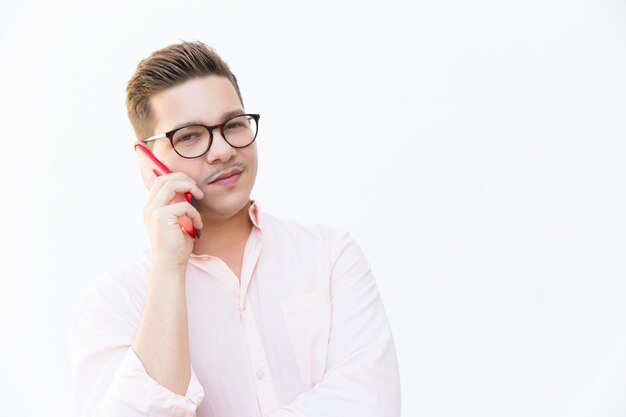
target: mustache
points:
(213, 175)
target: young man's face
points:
(206, 100)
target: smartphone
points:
(160, 169)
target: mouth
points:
(227, 178)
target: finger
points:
(177, 210)
(168, 191)
(160, 181)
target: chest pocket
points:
(307, 317)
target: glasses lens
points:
(191, 141)
(240, 131)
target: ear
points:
(147, 175)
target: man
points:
(258, 316)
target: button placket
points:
(266, 391)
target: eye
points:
(235, 124)
(238, 123)
(185, 138)
(190, 134)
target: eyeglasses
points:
(195, 140)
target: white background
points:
(475, 149)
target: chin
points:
(226, 207)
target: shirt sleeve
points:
(362, 376)
(109, 380)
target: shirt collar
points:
(254, 212)
(255, 215)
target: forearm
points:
(162, 341)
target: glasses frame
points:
(170, 135)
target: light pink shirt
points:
(302, 333)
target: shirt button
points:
(260, 374)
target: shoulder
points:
(109, 310)
(290, 228)
(119, 287)
(331, 240)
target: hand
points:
(171, 246)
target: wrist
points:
(168, 270)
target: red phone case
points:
(159, 169)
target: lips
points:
(226, 175)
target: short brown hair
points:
(166, 68)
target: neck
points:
(220, 235)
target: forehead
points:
(204, 99)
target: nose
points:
(220, 149)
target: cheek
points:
(177, 164)
(251, 156)
(252, 163)
(166, 155)
(193, 169)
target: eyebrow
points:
(225, 116)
